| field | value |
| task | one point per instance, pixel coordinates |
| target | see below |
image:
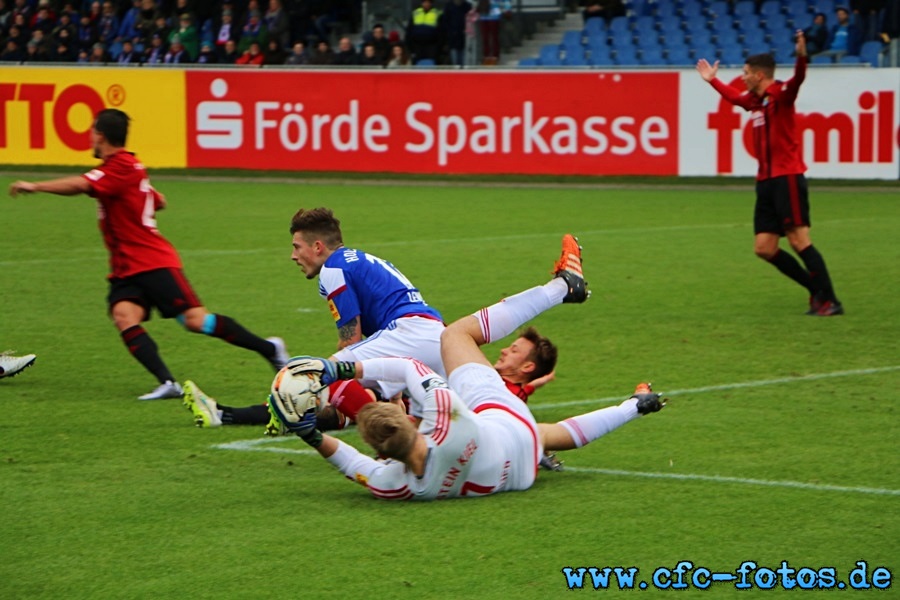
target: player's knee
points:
(764, 253)
(126, 314)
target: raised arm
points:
(64, 186)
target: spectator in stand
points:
(41, 41)
(108, 24)
(274, 53)
(18, 38)
(399, 57)
(128, 56)
(277, 24)
(187, 35)
(489, 18)
(178, 53)
(298, 56)
(454, 16)
(252, 56)
(33, 53)
(43, 20)
(207, 55)
(66, 39)
(253, 31)
(127, 29)
(98, 54)
(95, 12)
(346, 55)
(229, 54)
(63, 52)
(12, 52)
(68, 9)
(379, 40)
(844, 37)
(424, 36)
(607, 9)
(252, 6)
(369, 57)
(225, 30)
(323, 54)
(21, 21)
(22, 7)
(85, 34)
(146, 21)
(155, 51)
(64, 24)
(816, 34)
(181, 8)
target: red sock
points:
(348, 397)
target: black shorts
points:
(782, 203)
(167, 290)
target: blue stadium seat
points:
(679, 55)
(667, 25)
(720, 22)
(596, 41)
(759, 47)
(692, 9)
(707, 51)
(732, 55)
(528, 63)
(619, 25)
(701, 38)
(666, 10)
(627, 57)
(871, 52)
(784, 53)
(598, 52)
(640, 8)
(828, 7)
(745, 22)
(594, 26)
(802, 21)
(673, 38)
(798, 8)
(575, 59)
(775, 23)
(726, 37)
(424, 63)
(549, 55)
(648, 42)
(622, 41)
(744, 7)
(720, 7)
(652, 56)
(754, 37)
(770, 8)
(572, 38)
(601, 61)
(821, 59)
(850, 59)
(644, 23)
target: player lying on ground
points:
(475, 437)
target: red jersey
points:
(774, 130)
(127, 210)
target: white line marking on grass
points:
(739, 480)
(727, 386)
(276, 445)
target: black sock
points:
(232, 332)
(144, 349)
(788, 265)
(257, 414)
(818, 272)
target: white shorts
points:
(485, 393)
(409, 337)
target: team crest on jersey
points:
(334, 310)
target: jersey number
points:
(476, 489)
(413, 296)
(148, 218)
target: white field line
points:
(724, 387)
(95, 255)
(275, 444)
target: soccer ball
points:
(297, 393)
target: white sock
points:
(586, 428)
(499, 320)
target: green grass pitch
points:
(780, 442)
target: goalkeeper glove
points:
(305, 427)
(328, 371)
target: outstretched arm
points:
(64, 186)
(707, 71)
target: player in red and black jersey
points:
(145, 270)
(782, 200)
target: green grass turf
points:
(106, 497)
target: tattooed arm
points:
(350, 333)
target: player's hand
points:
(800, 47)
(305, 427)
(707, 71)
(542, 381)
(328, 371)
(22, 187)
(160, 201)
(648, 402)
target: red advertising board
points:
(424, 122)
